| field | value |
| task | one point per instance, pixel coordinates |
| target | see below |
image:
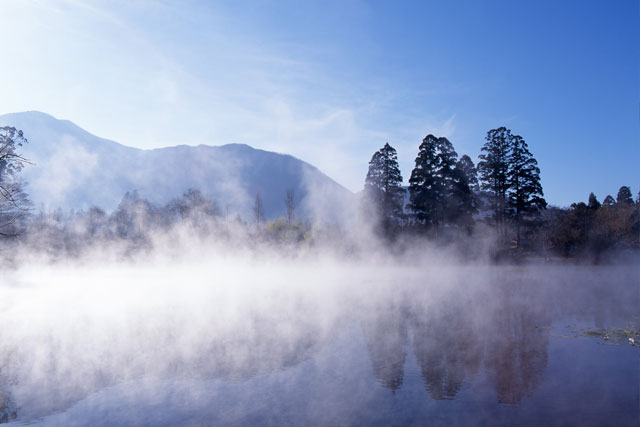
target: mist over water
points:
(319, 339)
(354, 213)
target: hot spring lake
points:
(319, 343)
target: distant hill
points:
(75, 169)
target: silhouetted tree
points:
(608, 201)
(523, 179)
(510, 174)
(493, 169)
(422, 184)
(465, 183)
(624, 196)
(448, 206)
(432, 185)
(469, 172)
(383, 187)
(14, 203)
(594, 204)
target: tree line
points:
(137, 225)
(593, 228)
(449, 196)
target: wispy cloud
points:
(157, 73)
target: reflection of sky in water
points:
(492, 349)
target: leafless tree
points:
(14, 203)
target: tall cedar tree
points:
(510, 173)
(523, 179)
(383, 187)
(493, 169)
(469, 171)
(446, 159)
(464, 186)
(439, 185)
(423, 184)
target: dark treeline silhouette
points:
(591, 229)
(446, 194)
(451, 199)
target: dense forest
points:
(449, 199)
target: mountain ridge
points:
(76, 169)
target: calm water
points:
(449, 346)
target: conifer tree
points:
(447, 207)
(593, 204)
(608, 201)
(469, 171)
(464, 185)
(523, 179)
(510, 174)
(493, 169)
(624, 196)
(423, 186)
(383, 187)
(439, 190)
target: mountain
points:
(75, 169)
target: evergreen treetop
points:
(423, 185)
(594, 204)
(624, 196)
(383, 186)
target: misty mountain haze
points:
(75, 169)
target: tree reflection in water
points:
(387, 340)
(445, 346)
(457, 333)
(518, 349)
(8, 409)
(465, 327)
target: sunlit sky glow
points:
(331, 82)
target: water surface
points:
(325, 345)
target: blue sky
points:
(331, 82)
